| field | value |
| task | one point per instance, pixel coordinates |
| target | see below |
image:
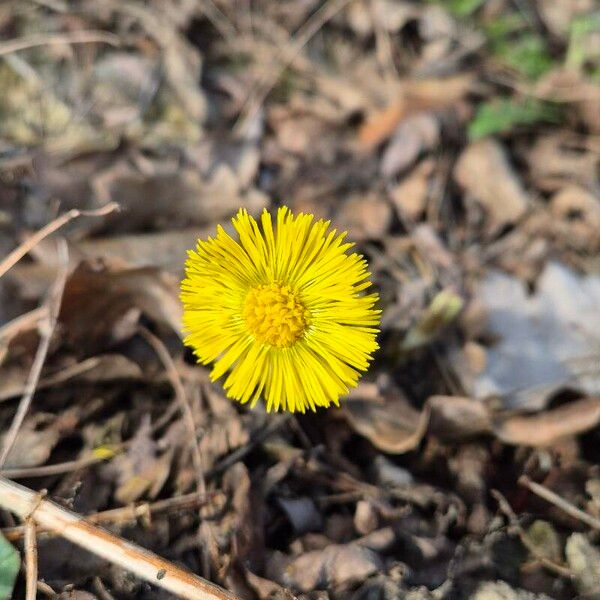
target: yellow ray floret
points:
(281, 311)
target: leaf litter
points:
(457, 144)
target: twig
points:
(54, 300)
(288, 55)
(131, 557)
(31, 560)
(48, 39)
(553, 498)
(125, 514)
(188, 418)
(18, 253)
(49, 470)
(507, 510)
(238, 454)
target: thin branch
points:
(49, 39)
(31, 560)
(507, 510)
(553, 498)
(18, 253)
(126, 514)
(188, 419)
(145, 564)
(53, 302)
(50, 470)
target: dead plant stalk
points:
(25, 503)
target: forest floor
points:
(457, 142)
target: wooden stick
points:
(145, 564)
(126, 514)
(553, 498)
(31, 560)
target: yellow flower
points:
(282, 310)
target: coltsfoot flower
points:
(282, 311)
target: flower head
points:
(282, 310)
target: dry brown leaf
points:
(456, 417)
(174, 198)
(561, 159)
(102, 302)
(418, 133)
(415, 95)
(364, 218)
(32, 446)
(484, 172)
(546, 428)
(577, 213)
(331, 567)
(410, 195)
(391, 425)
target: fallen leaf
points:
(332, 567)
(391, 425)
(32, 446)
(584, 562)
(543, 342)
(561, 159)
(415, 135)
(103, 300)
(546, 428)
(458, 418)
(409, 197)
(364, 218)
(484, 172)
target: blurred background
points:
(457, 142)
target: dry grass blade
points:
(188, 417)
(553, 498)
(44, 39)
(54, 300)
(26, 504)
(18, 253)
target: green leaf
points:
(9, 567)
(464, 8)
(513, 42)
(501, 116)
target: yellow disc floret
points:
(275, 315)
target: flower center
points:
(275, 314)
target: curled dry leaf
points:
(546, 428)
(484, 172)
(332, 567)
(391, 425)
